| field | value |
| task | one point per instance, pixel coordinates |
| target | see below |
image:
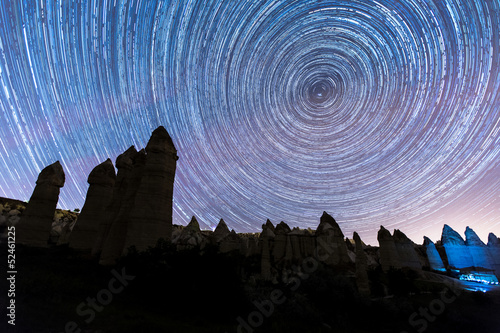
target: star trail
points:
(379, 112)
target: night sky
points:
(379, 112)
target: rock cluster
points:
(470, 253)
(140, 211)
(398, 251)
(134, 208)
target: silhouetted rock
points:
(265, 259)
(151, 215)
(101, 179)
(114, 245)
(435, 261)
(406, 251)
(389, 256)
(332, 249)
(191, 236)
(124, 164)
(361, 267)
(280, 241)
(268, 225)
(231, 242)
(221, 231)
(36, 221)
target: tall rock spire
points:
(114, 244)
(124, 165)
(36, 222)
(101, 179)
(331, 246)
(389, 255)
(151, 215)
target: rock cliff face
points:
(36, 221)
(101, 181)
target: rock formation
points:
(435, 261)
(191, 236)
(101, 181)
(406, 251)
(151, 215)
(124, 164)
(494, 250)
(280, 241)
(114, 245)
(457, 253)
(232, 242)
(479, 253)
(266, 239)
(36, 221)
(140, 209)
(362, 280)
(389, 256)
(331, 248)
(220, 232)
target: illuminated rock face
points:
(435, 261)
(471, 253)
(480, 254)
(36, 221)
(101, 180)
(457, 253)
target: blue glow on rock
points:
(483, 278)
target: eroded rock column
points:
(36, 221)
(101, 180)
(151, 215)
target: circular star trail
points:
(379, 112)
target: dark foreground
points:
(56, 290)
